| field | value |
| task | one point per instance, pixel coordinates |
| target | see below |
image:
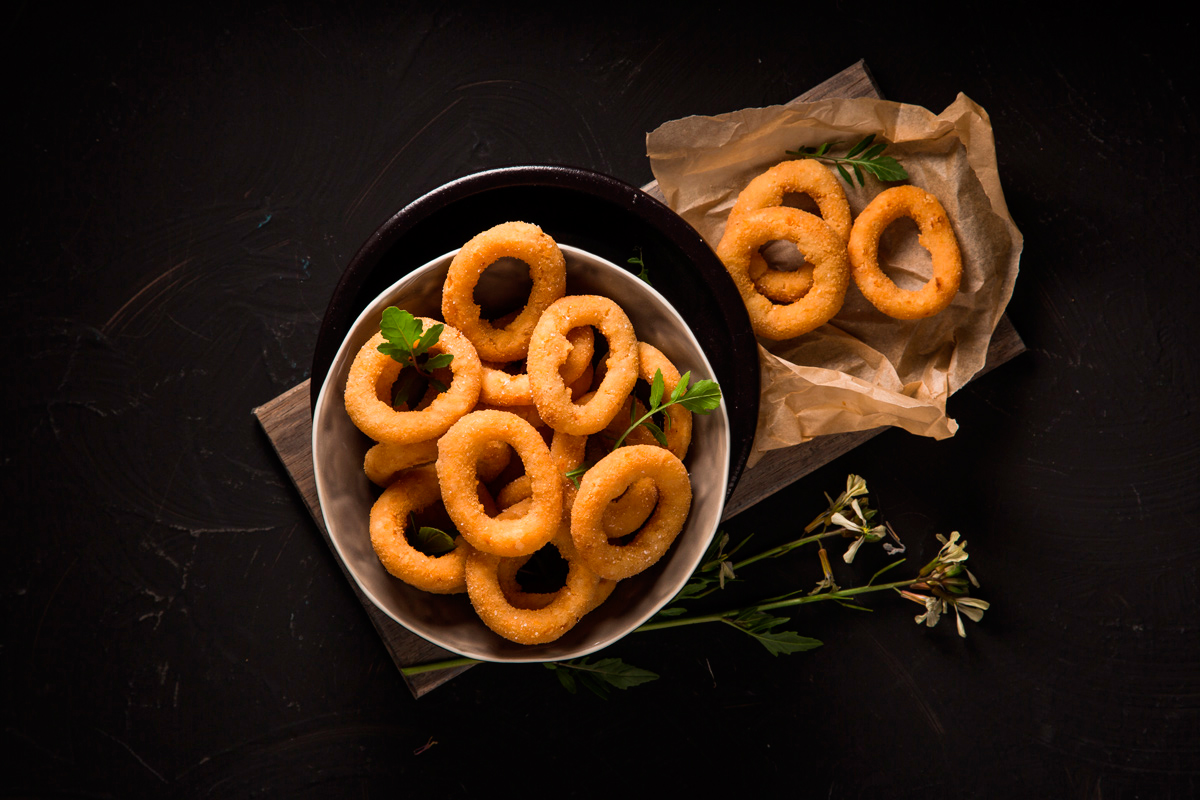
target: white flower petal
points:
(848, 557)
(973, 614)
(840, 519)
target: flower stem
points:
(774, 551)
(770, 605)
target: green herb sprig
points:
(576, 474)
(863, 157)
(637, 261)
(408, 342)
(598, 677)
(849, 516)
(941, 586)
(702, 397)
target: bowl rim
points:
(325, 387)
(746, 377)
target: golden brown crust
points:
(548, 350)
(375, 417)
(937, 236)
(606, 481)
(460, 449)
(414, 491)
(529, 625)
(547, 267)
(506, 389)
(820, 245)
(768, 190)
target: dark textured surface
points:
(187, 194)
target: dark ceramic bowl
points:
(594, 212)
(346, 496)
(692, 313)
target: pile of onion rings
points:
(529, 398)
(786, 304)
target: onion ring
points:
(414, 491)
(501, 388)
(516, 595)
(460, 449)
(548, 350)
(376, 418)
(547, 267)
(628, 512)
(820, 245)
(384, 462)
(607, 480)
(937, 236)
(768, 191)
(510, 567)
(529, 625)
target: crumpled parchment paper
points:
(862, 369)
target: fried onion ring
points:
(414, 491)
(376, 418)
(505, 389)
(460, 449)
(606, 481)
(627, 513)
(622, 516)
(548, 351)
(820, 245)
(547, 267)
(937, 236)
(768, 190)
(516, 595)
(529, 625)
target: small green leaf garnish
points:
(637, 261)
(429, 540)
(598, 677)
(861, 157)
(408, 342)
(574, 475)
(701, 397)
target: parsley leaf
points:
(408, 342)
(701, 397)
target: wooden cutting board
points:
(287, 421)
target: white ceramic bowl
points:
(449, 621)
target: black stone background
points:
(187, 185)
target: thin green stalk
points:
(719, 616)
(774, 551)
(635, 425)
(432, 666)
(770, 605)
